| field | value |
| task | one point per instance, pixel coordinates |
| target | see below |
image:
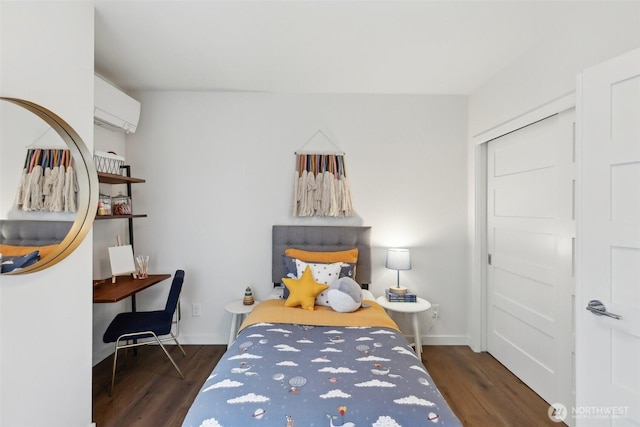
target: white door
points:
(531, 230)
(608, 349)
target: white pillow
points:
(322, 273)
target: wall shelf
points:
(109, 178)
(121, 216)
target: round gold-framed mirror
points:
(85, 181)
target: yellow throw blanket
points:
(11, 250)
(274, 311)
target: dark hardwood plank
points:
(150, 393)
(148, 390)
(481, 391)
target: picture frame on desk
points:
(122, 263)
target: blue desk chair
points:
(139, 326)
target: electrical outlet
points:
(196, 310)
(435, 311)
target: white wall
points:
(219, 169)
(596, 31)
(104, 235)
(45, 317)
(545, 72)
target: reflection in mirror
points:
(48, 187)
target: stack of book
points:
(406, 297)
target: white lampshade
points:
(398, 259)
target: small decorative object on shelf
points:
(104, 205)
(108, 162)
(121, 205)
(248, 297)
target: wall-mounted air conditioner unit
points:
(113, 108)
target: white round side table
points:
(413, 308)
(238, 311)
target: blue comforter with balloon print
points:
(286, 375)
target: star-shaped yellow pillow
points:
(303, 291)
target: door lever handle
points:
(597, 307)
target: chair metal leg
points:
(181, 349)
(135, 346)
(179, 346)
(177, 322)
(169, 356)
(113, 371)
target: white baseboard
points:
(445, 340)
(204, 339)
(221, 339)
(197, 339)
(102, 354)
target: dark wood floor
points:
(481, 391)
(149, 392)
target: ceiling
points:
(392, 47)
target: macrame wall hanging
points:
(320, 185)
(47, 182)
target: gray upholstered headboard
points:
(322, 238)
(33, 233)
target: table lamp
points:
(398, 259)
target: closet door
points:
(530, 286)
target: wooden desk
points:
(124, 287)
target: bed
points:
(291, 366)
(24, 242)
